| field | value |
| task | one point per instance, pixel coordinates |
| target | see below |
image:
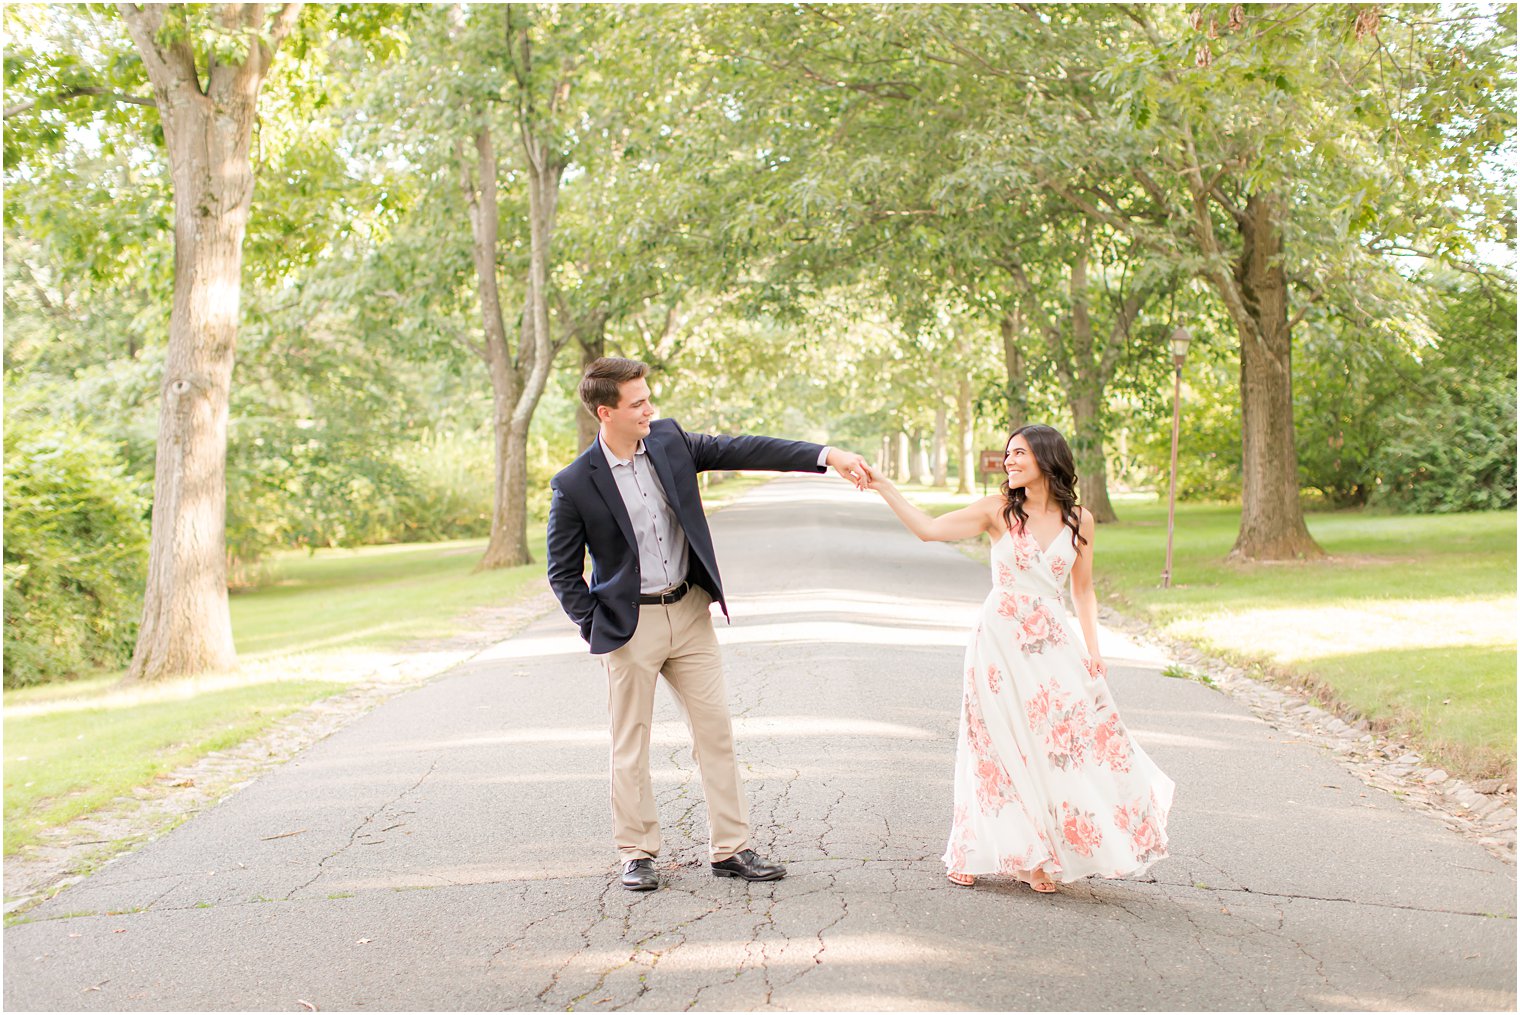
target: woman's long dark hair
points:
(1053, 455)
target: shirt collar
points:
(613, 461)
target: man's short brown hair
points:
(603, 378)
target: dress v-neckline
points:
(1043, 550)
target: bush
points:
(450, 480)
(1456, 453)
(76, 538)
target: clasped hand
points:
(851, 466)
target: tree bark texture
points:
(1272, 520)
(918, 463)
(941, 455)
(1084, 395)
(965, 435)
(900, 455)
(1087, 448)
(593, 347)
(207, 117)
(1011, 326)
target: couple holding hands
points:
(1049, 785)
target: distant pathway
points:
(450, 849)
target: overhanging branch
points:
(18, 108)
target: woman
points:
(1049, 787)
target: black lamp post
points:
(1179, 342)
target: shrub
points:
(1455, 453)
(448, 487)
(76, 537)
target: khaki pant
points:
(677, 641)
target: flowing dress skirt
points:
(1046, 774)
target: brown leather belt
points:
(666, 598)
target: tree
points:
(1297, 151)
(206, 72)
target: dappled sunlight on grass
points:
(1459, 699)
(1410, 620)
(374, 596)
(1298, 633)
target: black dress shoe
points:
(747, 865)
(639, 876)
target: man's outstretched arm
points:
(771, 454)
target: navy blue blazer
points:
(587, 512)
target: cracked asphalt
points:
(451, 849)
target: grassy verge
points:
(1410, 620)
(72, 747)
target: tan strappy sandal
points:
(1045, 887)
(964, 880)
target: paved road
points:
(452, 848)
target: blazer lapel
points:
(656, 456)
(601, 478)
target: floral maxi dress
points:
(1046, 776)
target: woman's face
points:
(1019, 463)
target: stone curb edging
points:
(1482, 810)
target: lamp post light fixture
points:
(1180, 340)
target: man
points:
(631, 498)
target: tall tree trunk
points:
(544, 168)
(917, 462)
(900, 455)
(1092, 465)
(1084, 386)
(1011, 325)
(965, 435)
(941, 448)
(208, 129)
(1271, 520)
(593, 347)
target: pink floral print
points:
(994, 788)
(1110, 744)
(1025, 551)
(1079, 829)
(1039, 630)
(1063, 724)
(1147, 839)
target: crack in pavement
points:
(354, 835)
(1353, 902)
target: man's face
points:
(630, 420)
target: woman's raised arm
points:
(964, 523)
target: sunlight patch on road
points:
(835, 632)
(882, 609)
(872, 950)
(672, 733)
(527, 646)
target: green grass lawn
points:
(1410, 620)
(74, 746)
